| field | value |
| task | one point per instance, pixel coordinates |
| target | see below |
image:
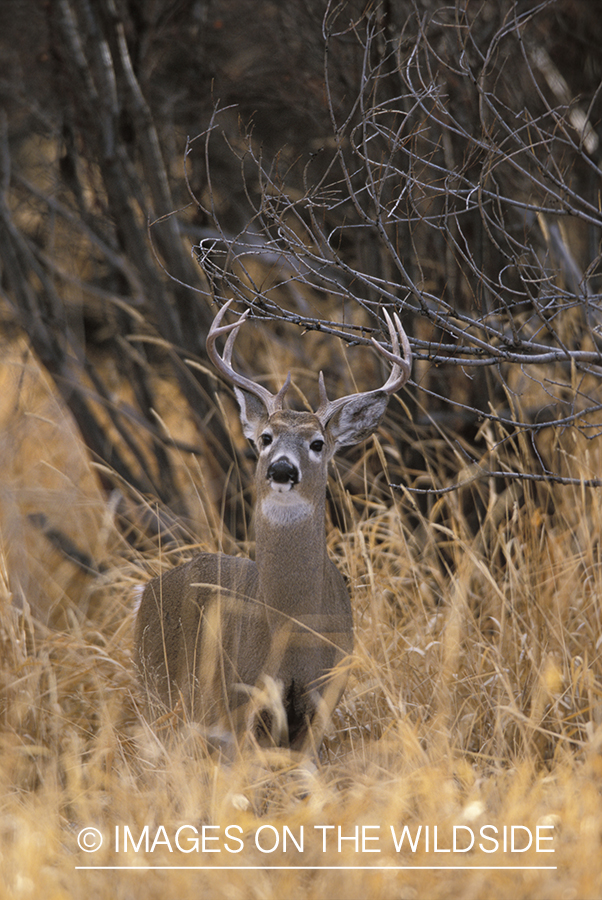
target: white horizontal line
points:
(326, 868)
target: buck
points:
(259, 647)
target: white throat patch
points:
(283, 506)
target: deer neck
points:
(291, 555)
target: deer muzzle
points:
(283, 474)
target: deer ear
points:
(253, 414)
(357, 419)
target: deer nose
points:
(282, 471)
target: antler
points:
(400, 372)
(223, 364)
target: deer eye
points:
(317, 446)
(265, 440)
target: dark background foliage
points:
(323, 160)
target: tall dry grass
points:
(473, 699)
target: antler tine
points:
(402, 365)
(223, 364)
(400, 372)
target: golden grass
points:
(474, 700)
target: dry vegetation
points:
(443, 160)
(474, 697)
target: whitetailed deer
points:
(245, 645)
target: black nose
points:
(283, 471)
